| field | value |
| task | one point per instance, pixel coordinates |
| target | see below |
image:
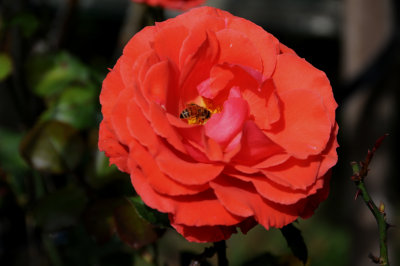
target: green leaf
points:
(52, 147)
(152, 216)
(65, 71)
(76, 105)
(60, 209)
(295, 241)
(27, 22)
(131, 228)
(5, 66)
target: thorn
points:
(388, 225)
(378, 142)
(382, 208)
(357, 194)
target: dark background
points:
(57, 195)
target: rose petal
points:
(167, 41)
(250, 203)
(223, 127)
(187, 210)
(140, 128)
(329, 155)
(204, 233)
(112, 87)
(203, 209)
(313, 201)
(157, 180)
(266, 44)
(292, 72)
(295, 173)
(159, 85)
(197, 68)
(185, 172)
(119, 117)
(305, 127)
(256, 146)
(277, 193)
(114, 150)
(149, 196)
(139, 45)
(232, 43)
(163, 128)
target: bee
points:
(195, 114)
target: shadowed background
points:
(57, 194)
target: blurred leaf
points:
(100, 175)
(52, 147)
(99, 221)
(5, 66)
(65, 71)
(76, 105)
(295, 241)
(265, 259)
(60, 209)
(27, 22)
(131, 228)
(10, 158)
(152, 216)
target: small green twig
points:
(360, 171)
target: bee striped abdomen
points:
(195, 114)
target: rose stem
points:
(360, 171)
(221, 252)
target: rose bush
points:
(263, 156)
(172, 4)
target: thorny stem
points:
(360, 171)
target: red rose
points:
(219, 125)
(173, 4)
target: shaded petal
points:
(157, 180)
(149, 196)
(256, 146)
(183, 171)
(250, 203)
(204, 233)
(295, 173)
(305, 127)
(329, 155)
(140, 128)
(277, 193)
(157, 117)
(114, 150)
(203, 209)
(313, 201)
(157, 83)
(187, 210)
(197, 68)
